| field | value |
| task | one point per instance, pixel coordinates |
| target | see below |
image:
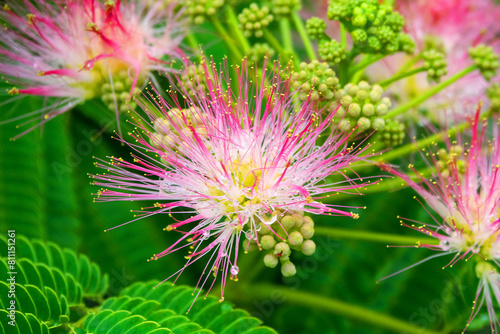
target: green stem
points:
(233, 21)
(431, 92)
(223, 33)
(386, 238)
(299, 25)
(286, 35)
(422, 143)
(400, 76)
(343, 36)
(193, 43)
(365, 63)
(277, 46)
(410, 63)
(334, 306)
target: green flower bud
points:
(316, 81)
(435, 64)
(249, 245)
(316, 27)
(270, 261)
(267, 242)
(364, 123)
(308, 220)
(264, 229)
(345, 125)
(288, 221)
(281, 249)
(381, 109)
(378, 123)
(258, 52)
(331, 51)
(486, 60)
(493, 93)
(354, 110)
(288, 269)
(296, 238)
(368, 109)
(307, 231)
(254, 19)
(308, 247)
(393, 133)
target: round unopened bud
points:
(378, 123)
(382, 109)
(264, 229)
(345, 125)
(364, 85)
(364, 123)
(288, 269)
(308, 247)
(362, 95)
(249, 245)
(346, 100)
(386, 101)
(442, 154)
(351, 89)
(307, 231)
(298, 221)
(282, 249)
(156, 139)
(288, 222)
(354, 110)
(267, 242)
(375, 95)
(368, 109)
(456, 149)
(308, 220)
(296, 238)
(270, 261)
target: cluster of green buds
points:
(393, 133)
(315, 80)
(362, 104)
(193, 80)
(293, 233)
(198, 10)
(163, 129)
(254, 19)
(450, 160)
(435, 64)
(485, 59)
(493, 93)
(117, 94)
(315, 28)
(331, 51)
(258, 52)
(374, 27)
(284, 8)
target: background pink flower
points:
(70, 49)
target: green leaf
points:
(46, 264)
(174, 302)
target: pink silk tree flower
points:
(244, 154)
(71, 51)
(452, 27)
(465, 193)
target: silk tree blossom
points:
(234, 161)
(70, 50)
(465, 193)
(450, 26)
